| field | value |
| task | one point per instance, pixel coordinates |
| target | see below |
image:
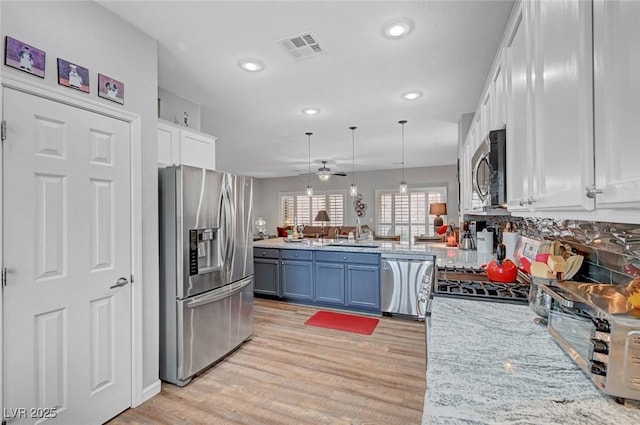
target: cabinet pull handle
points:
(592, 191)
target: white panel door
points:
(563, 104)
(67, 242)
(616, 46)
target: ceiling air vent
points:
(301, 46)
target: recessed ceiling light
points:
(251, 65)
(311, 111)
(398, 28)
(411, 95)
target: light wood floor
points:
(290, 373)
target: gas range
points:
(473, 283)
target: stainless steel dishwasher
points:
(406, 283)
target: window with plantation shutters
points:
(299, 209)
(335, 209)
(407, 214)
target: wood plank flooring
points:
(290, 373)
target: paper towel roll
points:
(484, 241)
(510, 240)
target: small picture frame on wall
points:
(110, 89)
(24, 57)
(72, 75)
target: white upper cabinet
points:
(486, 113)
(519, 156)
(183, 146)
(616, 26)
(499, 90)
(562, 82)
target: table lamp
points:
(261, 225)
(437, 209)
(322, 217)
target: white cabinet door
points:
(519, 155)
(617, 102)
(563, 112)
(486, 114)
(197, 150)
(499, 88)
(168, 144)
(465, 178)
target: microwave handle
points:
(557, 297)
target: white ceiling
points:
(358, 82)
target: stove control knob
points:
(598, 368)
(601, 325)
(599, 346)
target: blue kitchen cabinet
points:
(296, 274)
(363, 286)
(348, 278)
(330, 283)
(266, 271)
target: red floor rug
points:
(343, 322)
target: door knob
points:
(120, 282)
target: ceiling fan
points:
(325, 172)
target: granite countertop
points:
(489, 363)
(445, 256)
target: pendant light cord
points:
(353, 153)
(309, 137)
(402, 123)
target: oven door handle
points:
(563, 301)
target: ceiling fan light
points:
(353, 189)
(324, 175)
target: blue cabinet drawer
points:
(297, 254)
(347, 257)
(266, 253)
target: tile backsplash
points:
(611, 250)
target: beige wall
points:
(87, 34)
(266, 190)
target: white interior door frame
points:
(135, 123)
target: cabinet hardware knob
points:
(592, 191)
(531, 200)
(264, 253)
(521, 202)
(344, 258)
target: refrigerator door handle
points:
(219, 294)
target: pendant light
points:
(403, 183)
(353, 189)
(309, 188)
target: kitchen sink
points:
(355, 244)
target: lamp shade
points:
(322, 216)
(438, 208)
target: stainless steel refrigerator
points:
(206, 269)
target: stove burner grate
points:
(474, 283)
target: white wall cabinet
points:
(571, 72)
(183, 146)
(617, 102)
(562, 82)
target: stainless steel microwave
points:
(489, 173)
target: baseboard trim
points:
(150, 391)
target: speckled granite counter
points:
(444, 255)
(490, 364)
